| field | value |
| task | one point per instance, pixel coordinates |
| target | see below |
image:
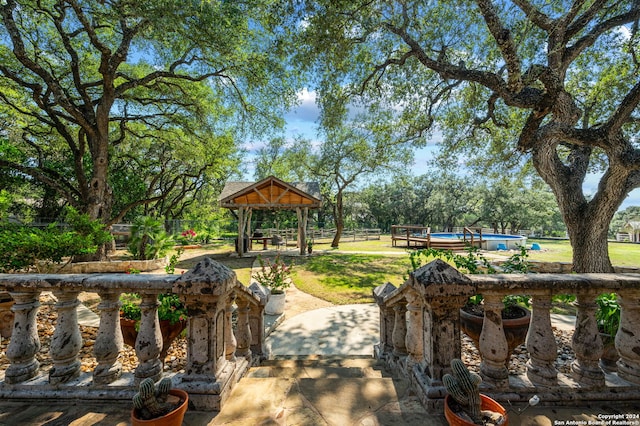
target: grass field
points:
(350, 273)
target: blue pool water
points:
(490, 241)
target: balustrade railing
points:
(217, 354)
(420, 334)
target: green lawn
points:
(348, 278)
(621, 254)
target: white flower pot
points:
(275, 305)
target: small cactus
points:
(464, 387)
(151, 402)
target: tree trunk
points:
(338, 212)
(587, 221)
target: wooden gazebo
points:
(270, 194)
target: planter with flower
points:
(171, 313)
(187, 240)
(276, 276)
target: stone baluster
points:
(230, 342)
(259, 349)
(67, 339)
(587, 343)
(493, 344)
(415, 335)
(109, 342)
(243, 329)
(25, 342)
(541, 343)
(149, 341)
(628, 338)
(400, 330)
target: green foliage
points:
(24, 248)
(608, 313)
(475, 263)
(173, 261)
(517, 263)
(274, 274)
(170, 307)
(130, 306)
(149, 239)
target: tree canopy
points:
(555, 81)
(146, 96)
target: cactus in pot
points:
(151, 402)
(464, 387)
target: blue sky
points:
(302, 121)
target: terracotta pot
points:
(515, 330)
(173, 418)
(275, 305)
(610, 356)
(486, 404)
(6, 318)
(169, 333)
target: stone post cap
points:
(208, 277)
(260, 291)
(380, 292)
(439, 279)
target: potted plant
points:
(171, 313)
(516, 316)
(310, 246)
(276, 276)
(608, 320)
(464, 404)
(159, 405)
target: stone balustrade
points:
(217, 354)
(420, 334)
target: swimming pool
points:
(489, 241)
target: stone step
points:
(320, 367)
(325, 401)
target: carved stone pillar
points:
(230, 342)
(628, 338)
(67, 339)
(243, 329)
(205, 291)
(387, 319)
(587, 343)
(400, 330)
(259, 349)
(541, 344)
(493, 344)
(109, 343)
(415, 336)
(25, 342)
(444, 291)
(149, 341)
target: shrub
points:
(148, 239)
(24, 248)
